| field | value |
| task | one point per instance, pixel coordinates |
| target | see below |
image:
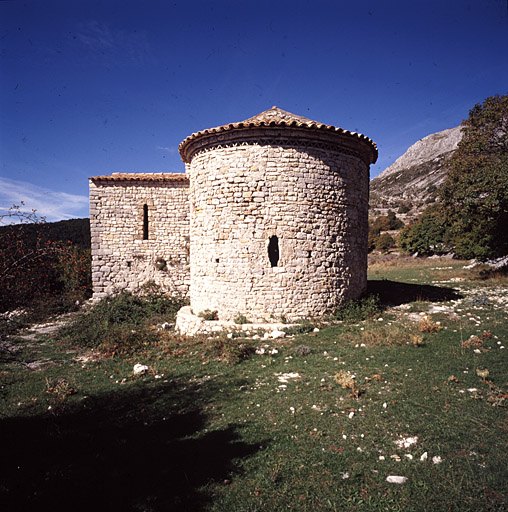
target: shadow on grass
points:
(393, 293)
(128, 450)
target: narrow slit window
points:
(273, 250)
(145, 222)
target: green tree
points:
(385, 242)
(475, 193)
(428, 235)
(394, 223)
(385, 223)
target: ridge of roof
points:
(272, 118)
(142, 176)
(277, 114)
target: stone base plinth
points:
(190, 324)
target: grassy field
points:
(315, 421)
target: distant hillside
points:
(413, 179)
(76, 231)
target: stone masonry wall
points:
(313, 200)
(121, 258)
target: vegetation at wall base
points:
(357, 310)
(124, 322)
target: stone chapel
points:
(269, 220)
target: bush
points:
(208, 314)
(241, 319)
(358, 310)
(388, 222)
(123, 322)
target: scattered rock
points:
(140, 369)
(393, 479)
(406, 442)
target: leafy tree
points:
(385, 242)
(428, 235)
(475, 193)
(394, 223)
(385, 223)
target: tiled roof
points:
(273, 118)
(278, 115)
(142, 176)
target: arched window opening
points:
(273, 250)
(145, 222)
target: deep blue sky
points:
(89, 88)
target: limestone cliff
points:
(414, 177)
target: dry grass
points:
(494, 277)
(426, 324)
(402, 333)
(379, 261)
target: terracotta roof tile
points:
(276, 117)
(142, 176)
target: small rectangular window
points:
(145, 222)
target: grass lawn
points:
(316, 421)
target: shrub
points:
(123, 322)
(241, 319)
(74, 273)
(208, 314)
(355, 311)
(372, 240)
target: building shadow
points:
(145, 449)
(393, 293)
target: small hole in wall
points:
(273, 250)
(129, 263)
(216, 260)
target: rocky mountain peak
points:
(414, 177)
(426, 149)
